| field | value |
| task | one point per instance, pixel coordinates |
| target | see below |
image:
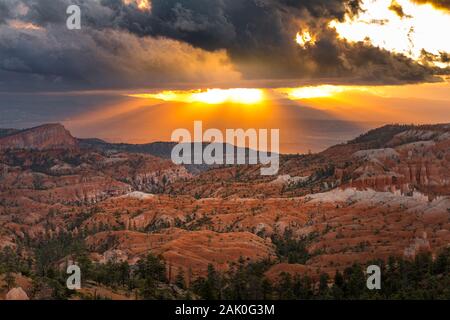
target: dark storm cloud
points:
(259, 37)
(100, 55)
(48, 12)
(122, 46)
(230, 24)
(4, 12)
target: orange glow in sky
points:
(310, 92)
(309, 117)
(208, 96)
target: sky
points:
(322, 71)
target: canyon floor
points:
(384, 194)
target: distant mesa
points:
(48, 136)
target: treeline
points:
(145, 280)
(420, 278)
(47, 269)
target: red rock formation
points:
(371, 198)
(17, 294)
(49, 136)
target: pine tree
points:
(179, 279)
(323, 284)
(10, 280)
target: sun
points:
(208, 96)
(217, 96)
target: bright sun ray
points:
(311, 92)
(407, 34)
(208, 96)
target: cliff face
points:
(81, 176)
(411, 160)
(387, 159)
(49, 136)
